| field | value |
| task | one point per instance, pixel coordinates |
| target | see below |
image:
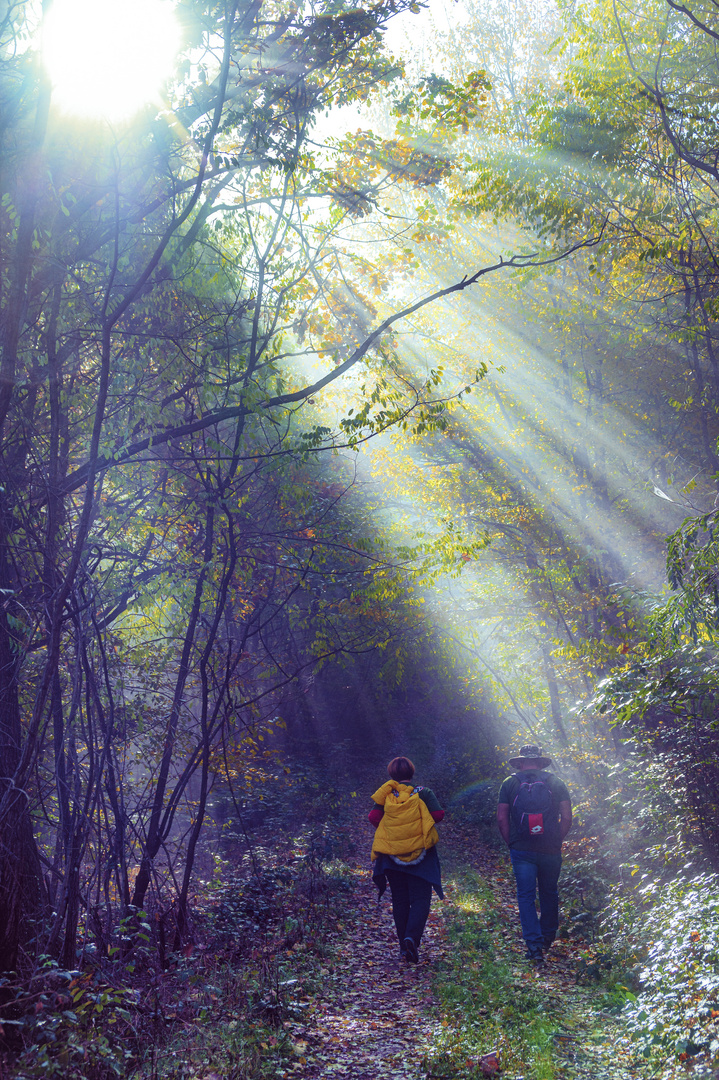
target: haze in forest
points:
(354, 401)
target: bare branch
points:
(234, 412)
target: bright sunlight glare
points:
(108, 58)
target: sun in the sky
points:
(108, 58)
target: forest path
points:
(378, 1017)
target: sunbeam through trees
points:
(359, 394)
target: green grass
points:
(487, 997)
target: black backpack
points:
(534, 812)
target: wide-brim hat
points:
(531, 753)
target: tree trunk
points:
(554, 699)
(21, 888)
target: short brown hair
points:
(400, 769)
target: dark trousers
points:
(537, 873)
(411, 897)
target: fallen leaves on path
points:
(375, 1016)
(371, 1019)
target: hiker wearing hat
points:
(534, 814)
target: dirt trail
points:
(374, 1016)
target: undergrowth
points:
(222, 1006)
(672, 936)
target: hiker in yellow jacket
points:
(404, 851)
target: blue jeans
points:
(537, 872)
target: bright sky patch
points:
(109, 58)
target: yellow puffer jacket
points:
(407, 827)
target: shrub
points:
(677, 1012)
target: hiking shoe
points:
(547, 943)
(411, 954)
(536, 959)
